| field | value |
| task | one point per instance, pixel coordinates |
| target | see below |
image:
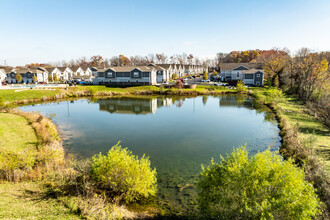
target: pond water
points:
(178, 134)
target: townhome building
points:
(249, 73)
(77, 71)
(126, 76)
(87, 71)
(28, 75)
(54, 72)
(67, 73)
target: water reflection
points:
(144, 106)
(133, 105)
(178, 134)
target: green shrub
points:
(205, 75)
(259, 187)
(13, 165)
(174, 76)
(123, 175)
(2, 103)
(240, 86)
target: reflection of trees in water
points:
(247, 102)
(236, 100)
(178, 101)
(205, 99)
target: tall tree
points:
(96, 60)
(274, 63)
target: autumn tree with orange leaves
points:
(96, 60)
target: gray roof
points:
(85, 68)
(23, 71)
(63, 68)
(74, 69)
(165, 66)
(231, 66)
(251, 71)
(128, 68)
(50, 69)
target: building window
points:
(237, 75)
(109, 74)
(136, 74)
(258, 75)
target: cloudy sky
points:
(44, 30)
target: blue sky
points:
(45, 30)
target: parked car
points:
(205, 80)
(4, 83)
(219, 84)
(166, 83)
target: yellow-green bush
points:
(259, 187)
(13, 165)
(123, 175)
(240, 86)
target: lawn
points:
(11, 95)
(28, 200)
(309, 127)
(16, 133)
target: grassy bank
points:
(16, 136)
(27, 200)
(17, 97)
(304, 138)
(30, 148)
(36, 182)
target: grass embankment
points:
(27, 200)
(27, 145)
(304, 138)
(17, 97)
(36, 182)
(18, 135)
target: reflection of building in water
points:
(133, 105)
(236, 101)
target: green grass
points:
(27, 200)
(309, 127)
(296, 114)
(12, 95)
(16, 133)
(15, 96)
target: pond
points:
(178, 134)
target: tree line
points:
(138, 60)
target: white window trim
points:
(136, 74)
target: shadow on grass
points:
(324, 151)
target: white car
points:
(165, 83)
(219, 84)
(206, 80)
